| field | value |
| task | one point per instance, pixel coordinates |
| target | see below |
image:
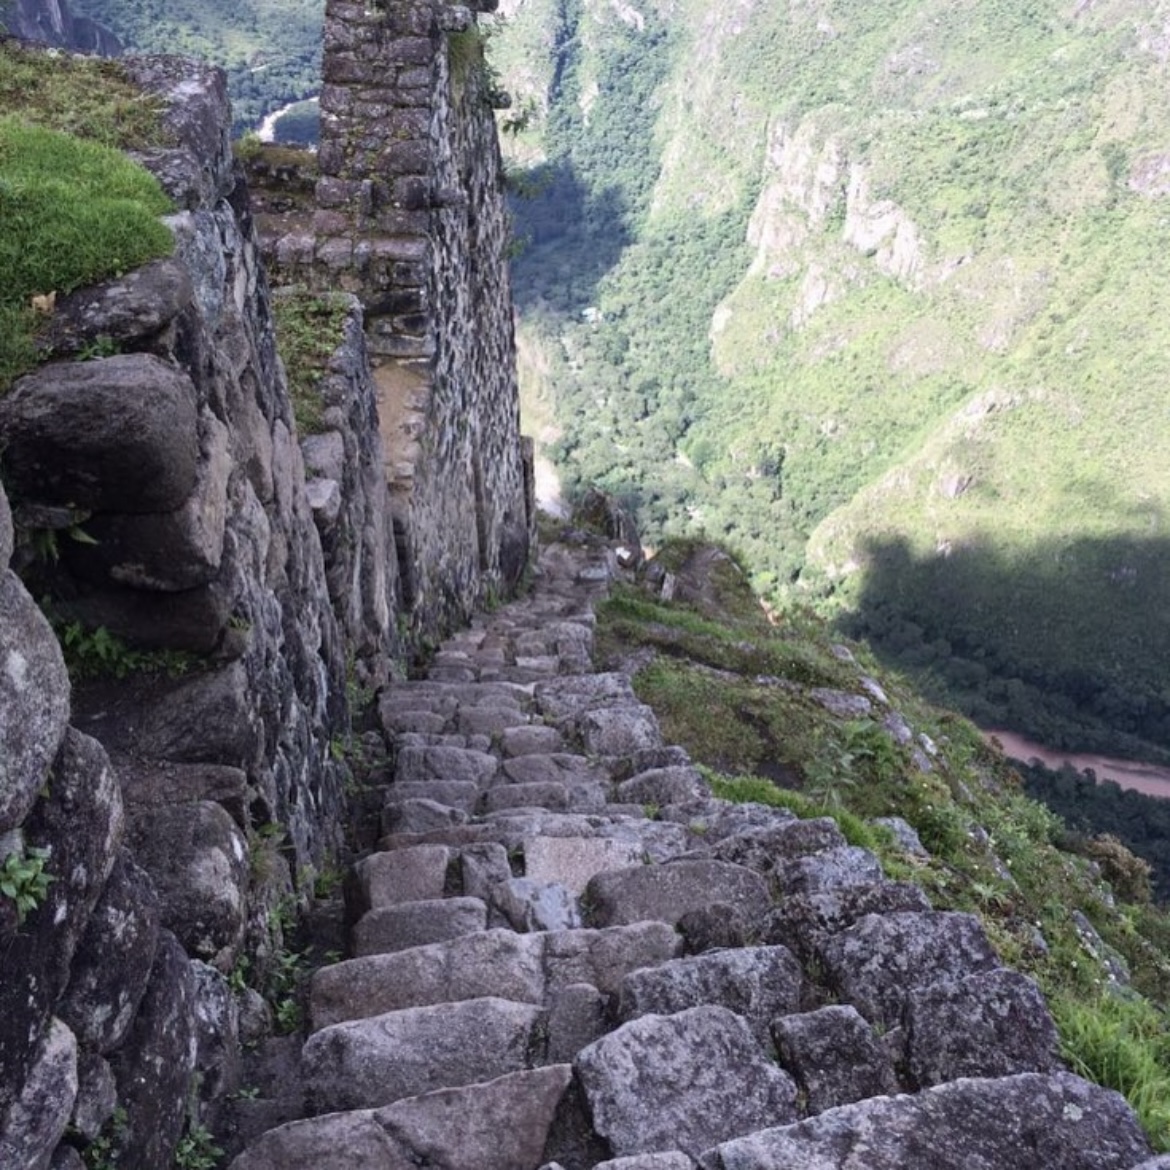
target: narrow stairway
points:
(567, 954)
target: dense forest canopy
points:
(873, 292)
(271, 49)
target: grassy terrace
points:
(73, 208)
(736, 689)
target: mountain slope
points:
(874, 292)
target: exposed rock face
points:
(52, 21)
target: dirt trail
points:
(1152, 779)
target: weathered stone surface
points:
(530, 905)
(619, 731)
(97, 1095)
(117, 434)
(667, 1161)
(757, 983)
(458, 794)
(572, 861)
(577, 1016)
(502, 1125)
(564, 698)
(366, 1063)
(530, 740)
(420, 816)
(151, 783)
(34, 699)
(663, 786)
(879, 960)
(7, 535)
(712, 928)
(986, 1025)
(765, 845)
(124, 309)
(446, 763)
(218, 1058)
(81, 823)
(417, 924)
(805, 921)
(604, 958)
(682, 1082)
(112, 964)
(540, 795)
(153, 1066)
(831, 869)
(834, 1056)
(666, 892)
(495, 963)
(167, 551)
(414, 874)
(40, 1114)
(198, 860)
(1027, 1122)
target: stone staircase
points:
(567, 954)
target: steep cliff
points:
(224, 588)
(54, 23)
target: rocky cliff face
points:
(51, 21)
(158, 819)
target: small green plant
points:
(24, 881)
(308, 331)
(102, 1152)
(96, 653)
(197, 1150)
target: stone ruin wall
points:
(183, 815)
(411, 218)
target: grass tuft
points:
(72, 212)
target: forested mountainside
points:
(271, 49)
(874, 292)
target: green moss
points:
(308, 332)
(72, 212)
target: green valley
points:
(874, 293)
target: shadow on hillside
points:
(569, 237)
(1068, 642)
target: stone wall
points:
(187, 794)
(410, 218)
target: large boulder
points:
(34, 700)
(118, 434)
(1025, 1122)
(682, 1082)
(38, 1118)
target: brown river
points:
(1152, 779)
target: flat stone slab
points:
(663, 786)
(831, 869)
(417, 924)
(757, 983)
(445, 763)
(835, 1056)
(414, 874)
(666, 892)
(531, 740)
(496, 963)
(879, 960)
(987, 1025)
(366, 1063)
(501, 1125)
(1025, 1122)
(554, 797)
(563, 698)
(605, 957)
(682, 1082)
(458, 794)
(572, 861)
(763, 846)
(619, 731)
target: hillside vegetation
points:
(781, 712)
(271, 49)
(873, 292)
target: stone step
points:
(526, 968)
(1026, 1122)
(500, 1125)
(400, 927)
(362, 1064)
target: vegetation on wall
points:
(873, 293)
(73, 208)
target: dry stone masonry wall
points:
(410, 218)
(162, 494)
